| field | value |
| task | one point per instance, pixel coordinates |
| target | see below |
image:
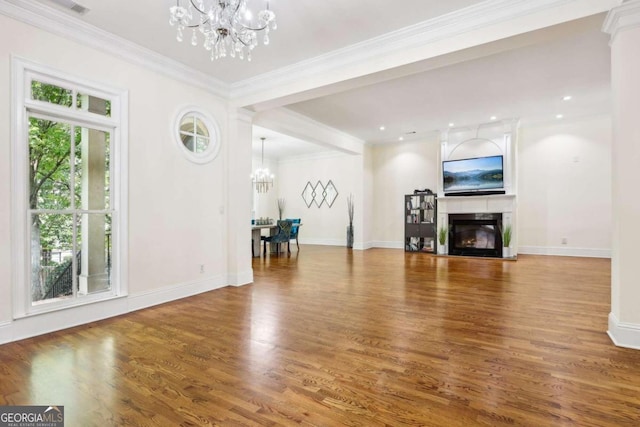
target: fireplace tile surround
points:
(501, 206)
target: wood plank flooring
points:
(330, 337)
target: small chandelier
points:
(262, 178)
(226, 25)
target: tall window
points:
(68, 249)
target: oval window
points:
(197, 135)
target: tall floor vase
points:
(350, 236)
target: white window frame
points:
(23, 72)
(214, 134)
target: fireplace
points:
(477, 234)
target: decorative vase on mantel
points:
(350, 236)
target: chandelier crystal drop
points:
(262, 178)
(226, 26)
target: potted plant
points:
(350, 207)
(506, 241)
(442, 240)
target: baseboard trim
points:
(31, 326)
(174, 292)
(528, 250)
(388, 244)
(324, 242)
(624, 334)
(45, 323)
(556, 251)
(5, 332)
(240, 279)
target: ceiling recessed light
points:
(401, 138)
(382, 128)
(451, 124)
(494, 118)
(567, 98)
(559, 116)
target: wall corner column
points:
(239, 156)
(623, 24)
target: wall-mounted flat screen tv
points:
(477, 175)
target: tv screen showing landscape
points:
(478, 174)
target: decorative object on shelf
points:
(262, 178)
(227, 26)
(281, 205)
(319, 194)
(506, 241)
(425, 191)
(350, 211)
(442, 239)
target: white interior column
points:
(239, 194)
(93, 276)
(623, 23)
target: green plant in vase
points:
(442, 237)
(506, 241)
(506, 236)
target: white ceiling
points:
(527, 82)
(306, 29)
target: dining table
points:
(256, 233)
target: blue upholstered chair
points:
(294, 230)
(283, 235)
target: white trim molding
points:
(296, 125)
(482, 15)
(23, 73)
(56, 22)
(624, 334)
(213, 130)
(623, 17)
(565, 251)
(240, 279)
(44, 323)
(387, 244)
(174, 293)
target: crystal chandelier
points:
(227, 26)
(262, 178)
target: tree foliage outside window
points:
(55, 184)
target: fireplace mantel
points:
(504, 204)
(499, 203)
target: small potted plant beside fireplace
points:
(506, 242)
(442, 240)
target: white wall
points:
(564, 188)
(557, 196)
(398, 170)
(323, 225)
(176, 208)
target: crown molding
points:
(321, 155)
(296, 125)
(450, 25)
(57, 22)
(623, 17)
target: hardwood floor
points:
(330, 337)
